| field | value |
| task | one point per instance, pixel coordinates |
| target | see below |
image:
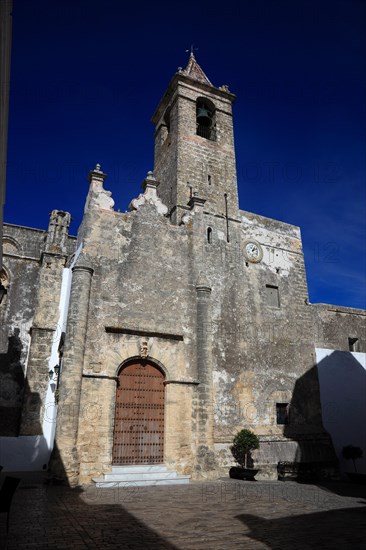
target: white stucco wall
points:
(24, 453)
(32, 453)
(49, 419)
(342, 379)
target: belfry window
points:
(206, 119)
(167, 120)
(164, 129)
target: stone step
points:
(102, 483)
(139, 469)
(140, 475)
(126, 476)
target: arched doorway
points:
(139, 415)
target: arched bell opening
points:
(139, 414)
(166, 119)
(205, 118)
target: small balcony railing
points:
(208, 133)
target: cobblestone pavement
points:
(218, 515)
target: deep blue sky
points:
(88, 74)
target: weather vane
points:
(193, 49)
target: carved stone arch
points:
(283, 386)
(206, 101)
(166, 118)
(149, 359)
(119, 354)
(205, 118)
(11, 246)
(278, 394)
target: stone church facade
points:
(172, 326)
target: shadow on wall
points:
(305, 445)
(305, 426)
(342, 380)
(18, 453)
(328, 410)
(11, 386)
(25, 452)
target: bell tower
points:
(194, 144)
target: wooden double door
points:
(139, 415)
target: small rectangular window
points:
(272, 296)
(209, 179)
(282, 413)
(353, 344)
(209, 235)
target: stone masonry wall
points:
(334, 325)
(23, 248)
(142, 286)
(184, 161)
(172, 282)
(199, 157)
(260, 354)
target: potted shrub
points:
(244, 442)
(350, 452)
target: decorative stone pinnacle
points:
(149, 185)
(98, 197)
(150, 181)
(97, 173)
(150, 175)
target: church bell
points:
(204, 116)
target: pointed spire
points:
(194, 70)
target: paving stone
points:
(260, 516)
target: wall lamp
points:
(56, 372)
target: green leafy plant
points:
(244, 442)
(350, 452)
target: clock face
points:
(253, 251)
